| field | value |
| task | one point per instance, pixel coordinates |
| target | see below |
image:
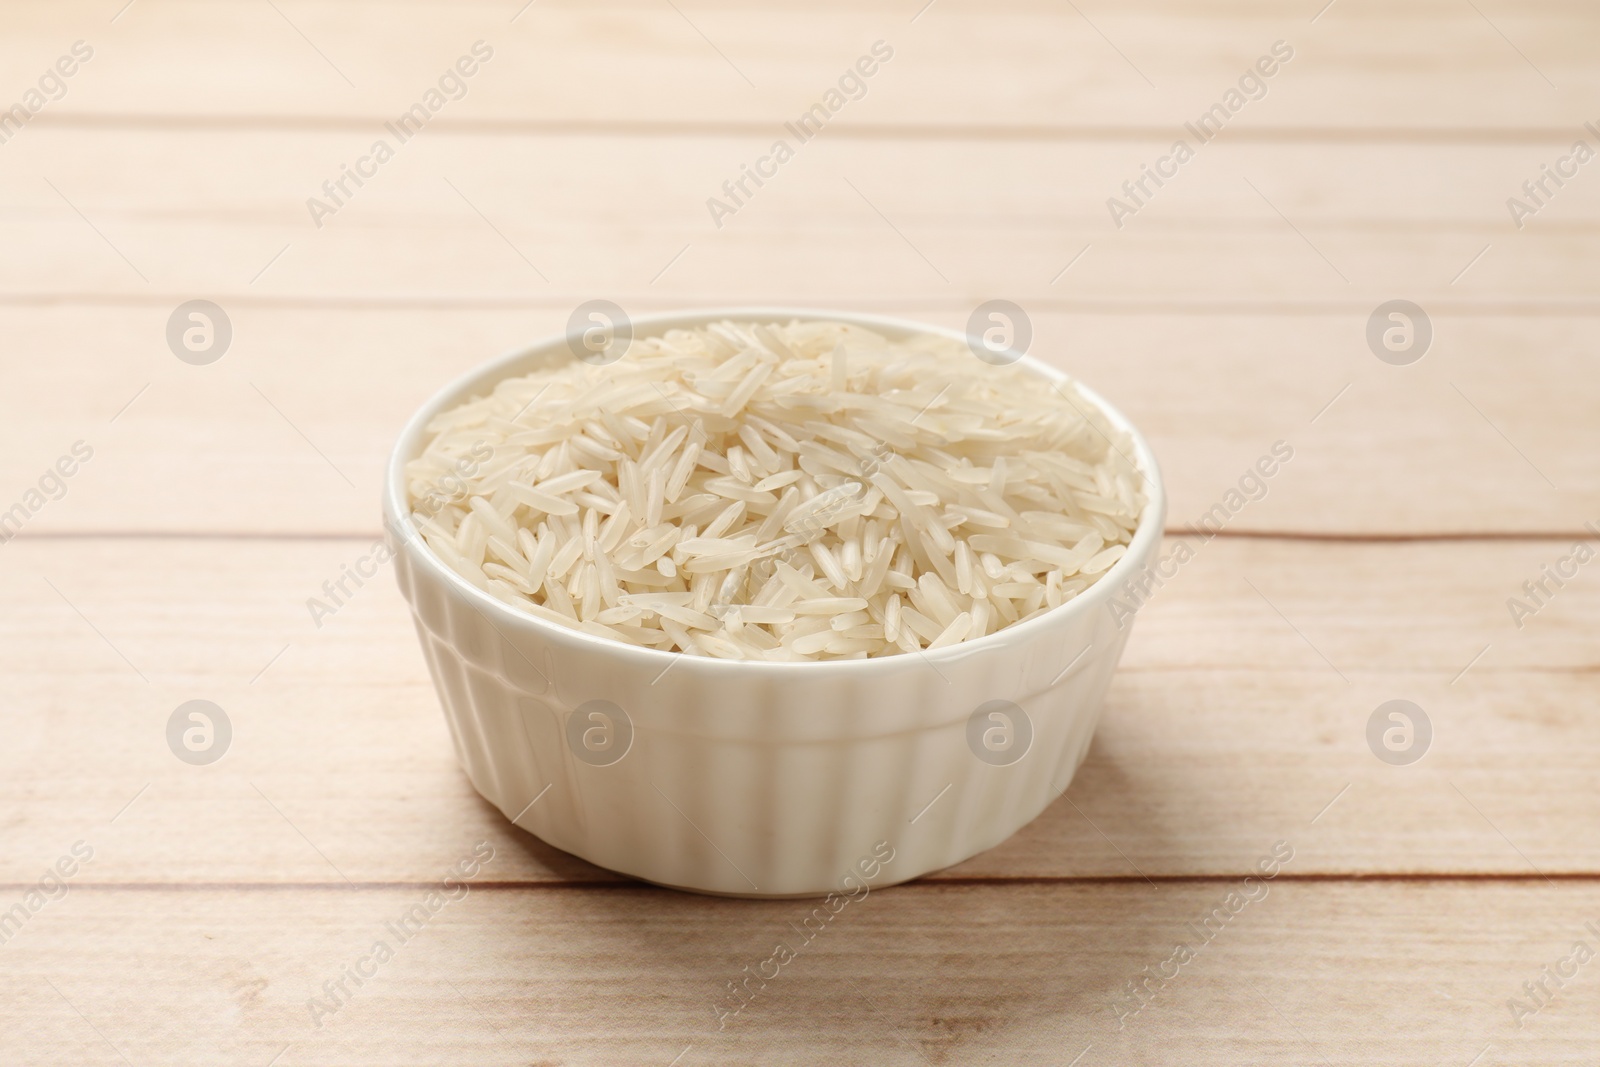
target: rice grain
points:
(779, 491)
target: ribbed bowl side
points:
(760, 783)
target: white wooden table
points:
(1227, 313)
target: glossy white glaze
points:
(758, 779)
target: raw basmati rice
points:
(767, 491)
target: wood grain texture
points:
(1227, 314)
(148, 214)
(1393, 974)
(290, 431)
(1225, 727)
(1364, 64)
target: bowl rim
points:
(484, 377)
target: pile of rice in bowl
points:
(808, 491)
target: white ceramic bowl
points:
(760, 779)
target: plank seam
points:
(1102, 308)
(757, 128)
(1488, 536)
(512, 885)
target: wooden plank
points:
(1396, 974)
(234, 446)
(1228, 314)
(1225, 726)
(1364, 65)
(1243, 226)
